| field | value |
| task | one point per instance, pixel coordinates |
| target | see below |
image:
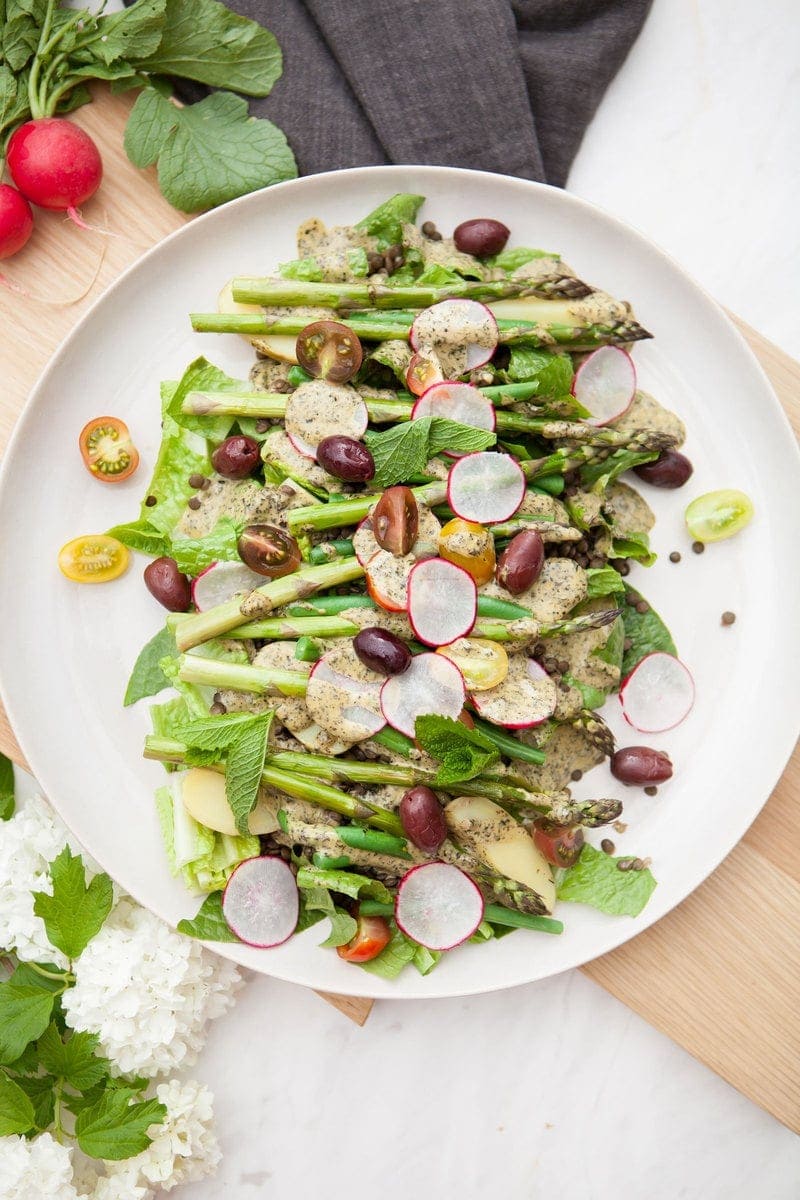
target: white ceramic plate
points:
(66, 651)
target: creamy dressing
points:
(447, 331)
(568, 749)
(629, 512)
(520, 697)
(647, 413)
(318, 409)
(343, 695)
(443, 253)
(278, 449)
(266, 374)
(561, 585)
(536, 504)
(329, 248)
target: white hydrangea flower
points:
(184, 1149)
(35, 1169)
(123, 1185)
(29, 842)
(148, 992)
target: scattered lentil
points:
(217, 709)
(430, 231)
(642, 607)
(374, 262)
(675, 556)
(607, 846)
(576, 775)
(261, 425)
(194, 503)
(728, 618)
(622, 566)
(283, 386)
(651, 790)
(151, 501)
(626, 645)
(626, 864)
(197, 481)
(698, 547)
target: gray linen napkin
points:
(491, 84)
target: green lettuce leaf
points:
(209, 924)
(394, 957)
(201, 376)
(194, 555)
(517, 256)
(203, 858)
(306, 269)
(603, 581)
(597, 881)
(147, 677)
(645, 631)
(387, 220)
(402, 451)
(633, 545)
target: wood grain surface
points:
(718, 976)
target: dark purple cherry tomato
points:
(269, 550)
(560, 844)
(329, 350)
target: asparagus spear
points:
(349, 296)
(493, 913)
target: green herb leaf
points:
(343, 926)
(245, 763)
(346, 882)
(552, 373)
(597, 881)
(16, 1110)
(6, 788)
(208, 152)
(40, 1091)
(397, 954)
(72, 1057)
(147, 678)
(518, 256)
(646, 631)
(115, 1128)
(25, 1011)
(306, 269)
(131, 34)
(462, 753)
(142, 536)
(598, 475)
(20, 35)
(209, 43)
(633, 545)
(74, 913)
(387, 220)
(402, 451)
(209, 924)
(603, 581)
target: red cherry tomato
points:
(371, 937)
(560, 844)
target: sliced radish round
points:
(318, 409)
(344, 696)
(457, 402)
(658, 693)
(438, 906)
(423, 370)
(221, 582)
(526, 697)
(461, 333)
(605, 384)
(261, 902)
(302, 446)
(442, 601)
(431, 684)
(485, 487)
(366, 547)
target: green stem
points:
(495, 914)
(201, 627)
(329, 551)
(394, 741)
(65, 977)
(507, 744)
(358, 838)
(325, 606)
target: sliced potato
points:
(203, 795)
(280, 346)
(487, 830)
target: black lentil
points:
(651, 790)
(698, 547)
(607, 846)
(197, 481)
(283, 386)
(194, 503)
(576, 775)
(374, 262)
(431, 232)
(151, 501)
(675, 556)
(642, 607)
(728, 618)
(626, 864)
(261, 425)
(217, 709)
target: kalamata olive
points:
(640, 765)
(345, 458)
(560, 844)
(269, 551)
(395, 520)
(169, 585)
(481, 237)
(237, 457)
(329, 350)
(520, 564)
(381, 651)
(423, 819)
(670, 470)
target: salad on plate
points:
(395, 565)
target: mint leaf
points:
(209, 152)
(209, 43)
(72, 1057)
(114, 1127)
(216, 734)
(16, 1110)
(74, 913)
(597, 881)
(552, 373)
(346, 882)
(387, 220)
(245, 762)
(209, 924)
(401, 452)
(646, 632)
(24, 1015)
(462, 753)
(147, 678)
(598, 475)
(306, 269)
(6, 788)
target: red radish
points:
(658, 693)
(438, 906)
(261, 903)
(442, 601)
(457, 402)
(423, 370)
(16, 221)
(461, 333)
(55, 164)
(605, 384)
(342, 689)
(302, 446)
(431, 684)
(526, 697)
(485, 487)
(221, 582)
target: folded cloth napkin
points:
(491, 84)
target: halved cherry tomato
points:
(422, 373)
(93, 558)
(470, 546)
(107, 449)
(482, 662)
(560, 844)
(371, 937)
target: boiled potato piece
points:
(203, 795)
(280, 346)
(487, 830)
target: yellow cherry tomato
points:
(470, 546)
(482, 662)
(718, 515)
(93, 558)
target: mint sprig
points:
(462, 753)
(402, 452)
(239, 738)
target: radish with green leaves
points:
(16, 221)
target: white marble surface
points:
(556, 1088)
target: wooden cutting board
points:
(720, 973)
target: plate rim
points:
(618, 935)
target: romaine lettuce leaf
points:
(511, 259)
(307, 269)
(386, 221)
(597, 881)
(646, 632)
(193, 555)
(603, 581)
(203, 858)
(199, 376)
